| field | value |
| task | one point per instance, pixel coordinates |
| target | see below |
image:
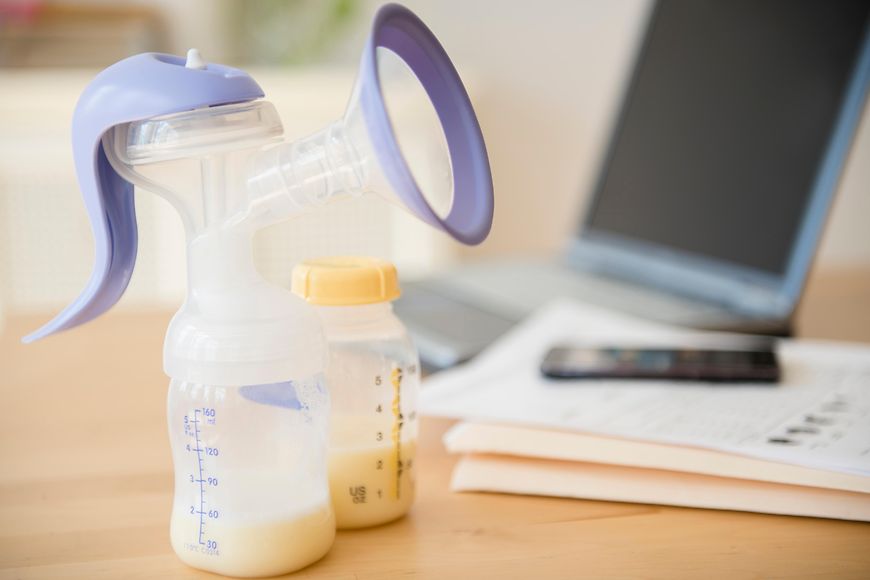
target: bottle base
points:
(366, 486)
(256, 550)
(371, 522)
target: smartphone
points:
(757, 365)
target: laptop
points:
(714, 190)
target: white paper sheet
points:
(469, 438)
(826, 387)
(616, 483)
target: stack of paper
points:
(801, 447)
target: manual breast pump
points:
(247, 405)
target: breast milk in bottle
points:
(373, 379)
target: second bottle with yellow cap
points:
(373, 378)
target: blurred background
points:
(545, 78)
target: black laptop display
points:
(733, 131)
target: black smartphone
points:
(756, 365)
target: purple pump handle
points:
(139, 87)
(398, 29)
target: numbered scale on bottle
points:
(202, 465)
(395, 443)
(371, 460)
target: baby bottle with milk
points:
(250, 494)
(373, 377)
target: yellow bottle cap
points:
(345, 281)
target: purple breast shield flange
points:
(136, 88)
(398, 29)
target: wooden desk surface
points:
(86, 485)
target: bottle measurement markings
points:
(203, 416)
(398, 421)
(200, 481)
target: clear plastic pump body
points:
(248, 410)
(374, 379)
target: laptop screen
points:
(727, 120)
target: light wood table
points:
(86, 485)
